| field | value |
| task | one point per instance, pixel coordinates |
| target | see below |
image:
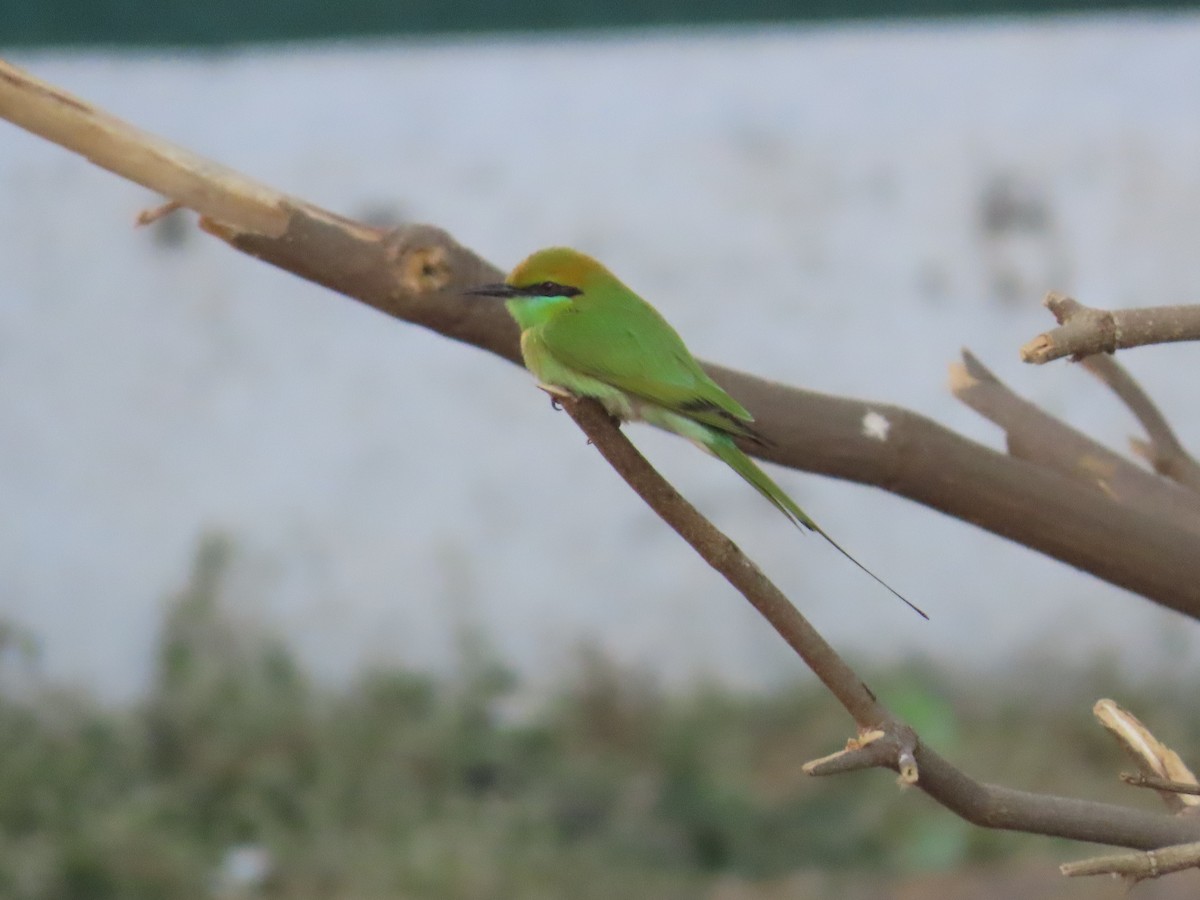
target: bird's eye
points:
(552, 289)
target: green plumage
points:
(586, 333)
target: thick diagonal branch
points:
(419, 274)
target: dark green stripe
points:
(217, 22)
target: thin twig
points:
(1164, 451)
(1153, 757)
(1083, 331)
(986, 805)
(150, 216)
(726, 558)
(1138, 866)
(1137, 779)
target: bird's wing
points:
(629, 345)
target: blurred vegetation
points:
(238, 776)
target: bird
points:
(585, 333)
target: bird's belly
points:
(553, 374)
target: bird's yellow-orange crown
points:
(560, 265)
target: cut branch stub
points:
(1083, 331)
(1164, 450)
(894, 748)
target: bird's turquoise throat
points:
(533, 311)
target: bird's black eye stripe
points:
(552, 289)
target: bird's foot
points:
(556, 393)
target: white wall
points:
(776, 193)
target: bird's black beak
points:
(494, 290)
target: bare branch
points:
(150, 216)
(992, 806)
(197, 183)
(419, 273)
(1137, 779)
(1038, 437)
(723, 555)
(1138, 866)
(899, 747)
(1152, 756)
(1164, 451)
(1083, 331)
(895, 749)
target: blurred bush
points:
(238, 776)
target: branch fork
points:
(891, 749)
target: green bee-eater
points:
(583, 332)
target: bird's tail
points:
(723, 447)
